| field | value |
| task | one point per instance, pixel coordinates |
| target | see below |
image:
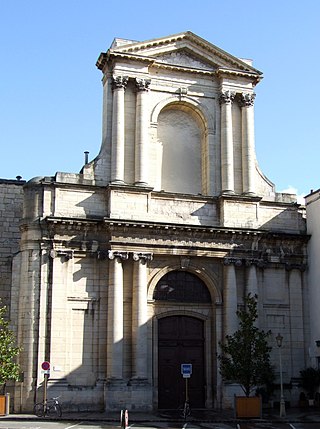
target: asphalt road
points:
(40, 424)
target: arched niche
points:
(184, 131)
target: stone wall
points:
(11, 201)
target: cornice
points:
(224, 72)
(153, 63)
(188, 35)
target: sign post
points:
(46, 373)
(186, 371)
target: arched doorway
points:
(181, 339)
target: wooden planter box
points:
(2, 405)
(250, 407)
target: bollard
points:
(7, 404)
(124, 419)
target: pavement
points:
(293, 415)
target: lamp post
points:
(279, 339)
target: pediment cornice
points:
(154, 52)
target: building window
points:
(181, 286)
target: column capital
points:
(112, 254)
(119, 82)
(247, 99)
(143, 84)
(229, 261)
(144, 257)
(227, 97)
(301, 267)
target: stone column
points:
(227, 167)
(296, 318)
(140, 315)
(142, 122)
(252, 281)
(115, 315)
(119, 84)
(252, 284)
(248, 149)
(230, 297)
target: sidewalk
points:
(294, 415)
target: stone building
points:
(138, 263)
(313, 229)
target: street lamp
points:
(279, 339)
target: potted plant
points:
(9, 369)
(310, 381)
(245, 359)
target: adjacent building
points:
(139, 263)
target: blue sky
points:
(51, 92)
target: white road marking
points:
(291, 425)
(72, 426)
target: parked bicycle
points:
(50, 408)
(185, 409)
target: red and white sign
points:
(45, 366)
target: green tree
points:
(245, 357)
(9, 369)
(310, 380)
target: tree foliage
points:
(310, 380)
(9, 369)
(245, 357)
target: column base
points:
(144, 184)
(117, 182)
(249, 194)
(227, 192)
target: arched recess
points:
(185, 131)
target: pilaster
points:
(141, 138)
(248, 147)
(139, 315)
(115, 315)
(227, 163)
(119, 84)
(230, 297)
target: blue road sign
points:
(186, 370)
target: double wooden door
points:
(180, 340)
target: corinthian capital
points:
(112, 254)
(247, 100)
(143, 84)
(119, 82)
(227, 97)
(144, 257)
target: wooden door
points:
(180, 340)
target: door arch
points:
(180, 340)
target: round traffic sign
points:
(45, 365)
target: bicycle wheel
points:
(54, 410)
(58, 410)
(186, 411)
(38, 409)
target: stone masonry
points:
(173, 205)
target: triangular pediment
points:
(183, 50)
(185, 58)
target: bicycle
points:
(185, 410)
(50, 408)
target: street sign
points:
(45, 366)
(186, 370)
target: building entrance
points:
(180, 340)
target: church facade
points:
(139, 263)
